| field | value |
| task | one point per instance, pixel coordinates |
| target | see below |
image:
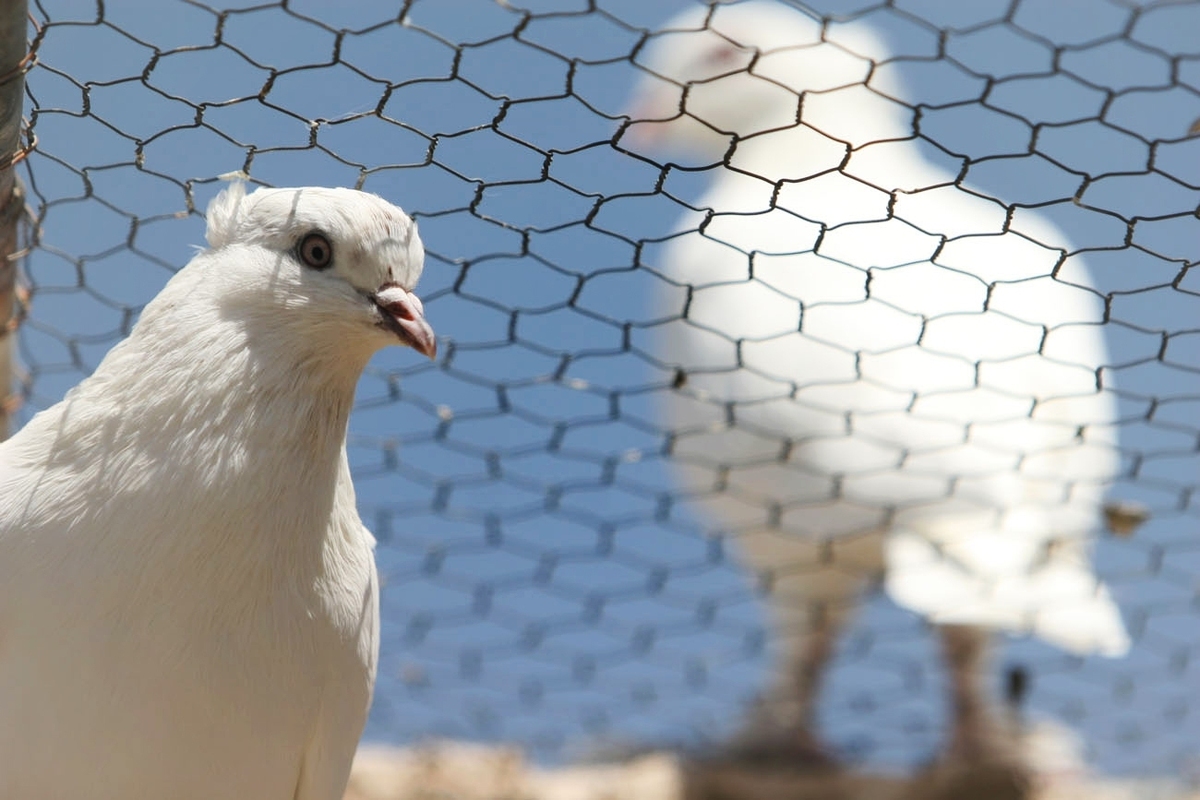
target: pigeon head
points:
(723, 73)
(337, 262)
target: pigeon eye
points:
(316, 251)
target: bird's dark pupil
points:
(315, 251)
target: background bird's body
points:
(880, 374)
(188, 600)
(857, 393)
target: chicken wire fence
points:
(548, 581)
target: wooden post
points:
(13, 63)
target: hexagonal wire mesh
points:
(546, 583)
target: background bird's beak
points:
(404, 315)
(645, 118)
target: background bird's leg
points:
(804, 672)
(975, 730)
(813, 593)
(982, 756)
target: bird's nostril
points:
(393, 299)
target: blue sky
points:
(533, 591)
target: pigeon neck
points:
(290, 405)
(246, 436)
(786, 154)
(828, 133)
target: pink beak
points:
(404, 315)
(645, 117)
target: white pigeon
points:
(188, 599)
(876, 372)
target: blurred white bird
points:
(873, 369)
(188, 599)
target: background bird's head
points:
(723, 73)
(334, 264)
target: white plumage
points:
(876, 374)
(188, 599)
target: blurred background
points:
(542, 586)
